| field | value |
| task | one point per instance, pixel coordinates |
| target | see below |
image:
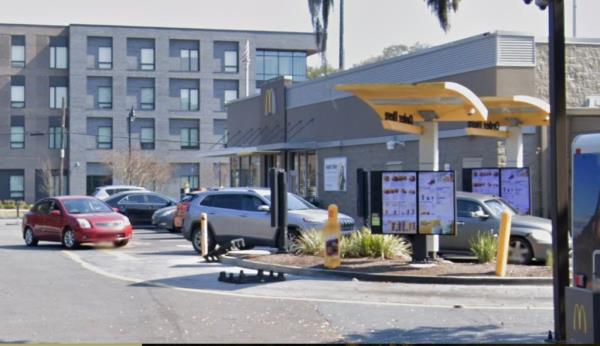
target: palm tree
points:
(319, 14)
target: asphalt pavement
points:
(157, 289)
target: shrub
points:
(484, 246)
(366, 244)
(309, 243)
(8, 204)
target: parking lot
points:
(156, 289)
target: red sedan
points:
(73, 220)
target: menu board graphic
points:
(515, 188)
(436, 203)
(399, 191)
(486, 181)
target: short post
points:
(503, 243)
(203, 234)
(18, 209)
(331, 234)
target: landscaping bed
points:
(402, 267)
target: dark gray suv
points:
(245, 213)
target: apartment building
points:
(176, 80)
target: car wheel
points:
(173, 230)
(68, 239)
(196, 240)
(519, 251)
(30, 238)
(121, 243)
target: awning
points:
(235, 151)
(517, 111)
(438, 101)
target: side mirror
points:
(479, 215)
(116, 210)
(264, 208)
(55, 213)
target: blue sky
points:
(371, 25)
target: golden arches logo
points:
(579, 318)
(269, 101)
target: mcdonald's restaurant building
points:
(322, 136)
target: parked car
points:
(163, 218)
(73, 220)
(245, 213)
(182, 209)
(104, 192)
(530, 239)
(139, 206)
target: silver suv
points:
(245, 213)
(530, 236)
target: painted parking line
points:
(93, 268)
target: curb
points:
(444, 280)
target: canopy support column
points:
(429, 160)
(514, 147)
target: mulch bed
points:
(402, 267)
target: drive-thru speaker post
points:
(279, 216)
(203, 234)
(331, 234)
(503, 243)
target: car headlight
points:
(309, 220)
(126, 221)
(541, 236)
(83, 223)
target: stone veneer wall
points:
(583, 72)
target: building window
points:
(189, 59)
(230, 61)
(105, 58)
(189, 138)
(17, 187)
(17, 51)
(147, 98)
(59, 57)
(104, 137)
(228, 96)
(57, 94)
(17, 96)
(17, 137)
(54, 137)
(147, 138)
(189, 99)
(190, 181)
(105, 97)
(271, 64)
(147, 59)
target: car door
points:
(224, 214)
(255, 224)
(133, 206)
(153, 203)
(54, 223)
(38, 220)
(470, 221)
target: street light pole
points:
(130, 120)
(62, 148)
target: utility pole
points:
(341, 59)
(62, 147)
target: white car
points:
(103, 192)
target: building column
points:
(514, 147)
(429, 160)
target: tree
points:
(139, 169)
(47, 178)
(320, 9)
(316, 72)
(394, 51)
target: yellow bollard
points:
(203, 234)
(331, 234)
(503, 244)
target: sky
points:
(370, 25)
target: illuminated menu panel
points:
(437, 206)
(515, 188)
(486, 181)
(399, 191)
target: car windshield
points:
(497, 206)
(295, 202)
(86, 206)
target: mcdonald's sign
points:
(580, 319)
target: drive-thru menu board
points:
(399, 195)
(515, 188)
(436, 203)
(486, 181)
